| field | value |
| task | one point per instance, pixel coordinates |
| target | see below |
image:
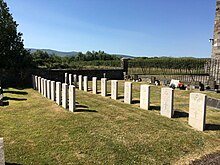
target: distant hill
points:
(58, 53)
(73, 53)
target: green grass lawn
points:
(102, 131)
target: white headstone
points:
(94, 85)
(42, 86)
(53, 90)
(45, 87)
(70, 79)
(58, 93)
(39, 84)
(2, 154)
(80, 82)
(197, 111)
(85, 81)
(104, 87)
(114, 89)
(72, 98)
(48, 89)
(64, 95)
(128, 92)
(167, 95)
(145, 96)
(75, 80)
(66, 78)
(174, 82)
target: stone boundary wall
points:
(58, 74)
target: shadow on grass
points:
(178, 114)
(16, 92)
(108, 94)
(135, 101)
(213, 127)
(12, 163)
(85, 110)
(155, 108)
(120, 97)
(15, 99)
(81, 106)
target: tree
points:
(12, 52)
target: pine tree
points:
(12, 52)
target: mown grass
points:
(102, 131)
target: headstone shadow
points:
(12, 163)
(120, 97)
(81, 106)
(15, 99)
(178, 114)
(85, 110)
(135, 101)
(16, 92)
(212, 127)
(155, 108)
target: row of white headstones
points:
(53, 90)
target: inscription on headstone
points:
(94, 85)
(145, 97)
(72, 97)
(58, 93)
(128, 92)
(114, 89)
(197, 111)
(85, 81)
(167, 95)
(104, 87)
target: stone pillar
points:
(80, 82)
(85, 81)
(197, 111)
(64, 95)
(124, 64)
(145, 97)
(70, 79)
(2, 153)
(48, 89)
(72, 98)
(58, 93)
(167, 95)
(42, 86)
(94, 85)
(114, 89)
(104, 87)
(39, 84)
(75, 80)
(128, 92)
(53, 90)
(45, 87)
(216, 39)
(66, 78)
(36, 82)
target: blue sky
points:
(176, 28)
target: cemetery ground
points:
(103, 131)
